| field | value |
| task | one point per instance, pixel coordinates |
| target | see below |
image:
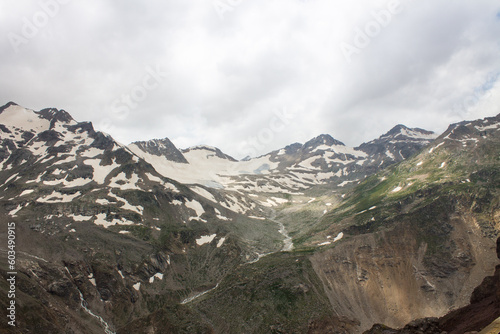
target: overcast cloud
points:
(251, 76)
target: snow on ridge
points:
(24, 119)
(488, 127)
(342, 149)
(411, 133)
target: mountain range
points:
(312, 238)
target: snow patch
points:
(255, 217)
(121, 274)
(435, 147)
(339, 237)
(197, 207)
(204, 193)
(221, 242)
(16, 210)
(157, 275)
(100, 172)
(126, 205)
(206, 239)
(488, 127)
(122, 182)
(101, 220)
(220, 216)
(103, 201)
(57, 197)
(78, 218)
(27, 192)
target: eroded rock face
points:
(483, 309)
(394, 276)
(484, 306)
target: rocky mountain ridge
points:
(144, 238)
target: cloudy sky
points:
(251, 76)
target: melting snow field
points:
(126, 205)
(157, 275)
(16, 210)
(397, 189)
(221, 242)
(57, 197)
(80, 218)
(122, 182)
(435, 147)
(204, 193)
(100, 172)
(197, 207)
(220, 216)
(216, 172)
(101, 220)
(206, 239)
(27, 192)
(16, 116)
(68, 184)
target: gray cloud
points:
(221, 80)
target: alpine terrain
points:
(316, 237)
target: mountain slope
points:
(410, 242)
(292, 170)
(441, 214)
(96, 223)
(157, 239)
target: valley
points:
(311, 238)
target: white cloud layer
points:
(252, 76)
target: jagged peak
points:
(55, 115)
(402, 131)
(215, 150)
(323, 139)
(163, 142)
(202, 147)
(161, 147)
(8, 105)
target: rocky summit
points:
(319, 237)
